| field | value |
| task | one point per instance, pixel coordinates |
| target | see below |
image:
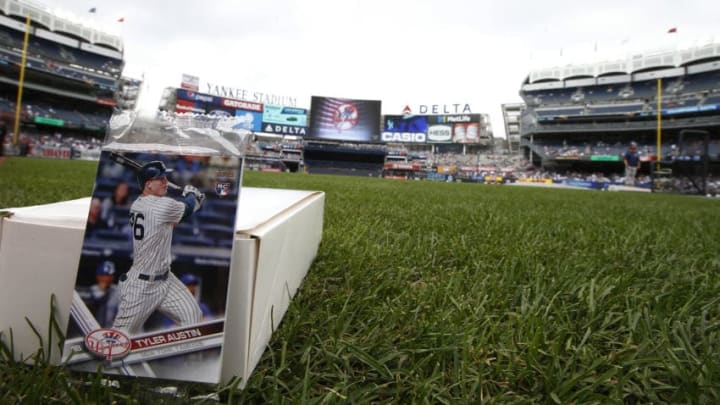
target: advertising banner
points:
(196, 97)
(250, 113)
(250, 120)
(345, 119)
(277, 114)
(187, 106)
(405, 129)
(190, 82)
(283, 120)
(459, 128)
(240, 105)
(439, 133)
(605, 158)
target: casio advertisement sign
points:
(414, 137)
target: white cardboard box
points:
(278, 233)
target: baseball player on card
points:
(149, 285)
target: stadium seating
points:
(61, 54)
(624, 99)
(343, 167)
(72, 118)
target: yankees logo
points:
(108, 343)
(346, 116)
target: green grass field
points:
(429, 292)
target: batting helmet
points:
(188, 279)
(152, 170)
(106, 268)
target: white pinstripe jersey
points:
(152, 219)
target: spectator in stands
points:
(187, 168)
(22, 144)
(121, 193)
(103, 297)
(95, 220)
(632, 164)
(192, 282)
(118, 199)
(112, 170)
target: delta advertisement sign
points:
(438, 109)
(283, 120)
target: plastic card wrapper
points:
(178, 133)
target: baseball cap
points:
(188, 278)
(152, 170)
(106, 268)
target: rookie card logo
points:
(223, 189)
(108, 343)
(346, 117)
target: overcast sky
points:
(403, 52)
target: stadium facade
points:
(72, 82)
(348, 136)
(583, 117)
(511, 117)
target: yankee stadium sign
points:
(249, 95)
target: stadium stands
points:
(585, 123)
(632, 97)
(344, 158)
(71, 84)
(74, 81)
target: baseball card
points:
(151, 287)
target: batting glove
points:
(200, 197)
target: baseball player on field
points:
(149, 285)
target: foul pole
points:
(658, 151)
(21, 80)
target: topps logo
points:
(417, 137)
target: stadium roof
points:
(631, 64)
(49, 19)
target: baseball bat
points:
(133, 164)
